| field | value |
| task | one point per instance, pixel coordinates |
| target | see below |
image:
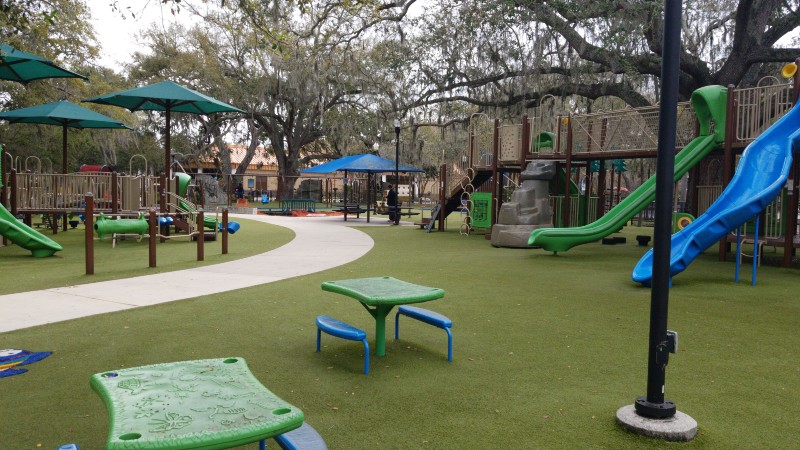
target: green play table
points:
(379, 295)
(203, 404)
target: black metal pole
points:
(660, 344)
(397, 171)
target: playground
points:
(539, 360)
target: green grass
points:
(22, 272)
(546, 349)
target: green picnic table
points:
(379, 295)
(202, 404)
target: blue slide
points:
(760, 176)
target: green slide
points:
(26, 237)
(209, 221)
(709, 104)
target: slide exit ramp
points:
(759, 178)
(709, 104)
(26, 237)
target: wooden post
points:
(114, 193)
(525, 148)
(792, 197)
(601, 189)
(163, 201)
(12, 183)
(201, 236)
(567, 178)
(442, 195)
(225, 231)
(88, 222)
(496, 182)
(727, 165)
(152, 230)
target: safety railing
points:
(759, 107)
(634, 129)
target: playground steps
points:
(453, 201)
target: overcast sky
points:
(117, 35)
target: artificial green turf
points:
(22, 272)
(546, 349)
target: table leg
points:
(380, 314)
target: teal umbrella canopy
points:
(65, 114)
(165, 96)
(16, 65)
(61, 113)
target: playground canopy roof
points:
(366, 163)
(16, 65)
(165, 96)
(64, 114)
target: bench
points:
(429, 317)
(352, 210)
(343, 330)
(303, 438)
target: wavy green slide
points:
(709, 104)
(26, 237)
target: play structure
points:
(709, 105)
(184, 220)
(590, 151)
(118, 201)
(21, 234)
(760, 176)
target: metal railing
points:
(759, 107)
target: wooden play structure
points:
(588, 148)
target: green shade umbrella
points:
(16, 65)
(66, 115)
(165, 96)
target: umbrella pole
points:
(167, 160)
(64, 149)
(63, 170)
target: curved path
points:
(320, 243)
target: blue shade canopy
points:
(16, 65)
(360, 163)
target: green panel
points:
(481, 210)
(204, 404)
(383, 291)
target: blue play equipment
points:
(426, 316)
(343, 330)
(761, 174)
(303, 438)
(233, 227)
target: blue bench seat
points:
(343, 330)
(303, 438)
(426, 316)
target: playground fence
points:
(759, 107)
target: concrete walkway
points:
(320, 243)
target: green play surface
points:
(203, 404)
